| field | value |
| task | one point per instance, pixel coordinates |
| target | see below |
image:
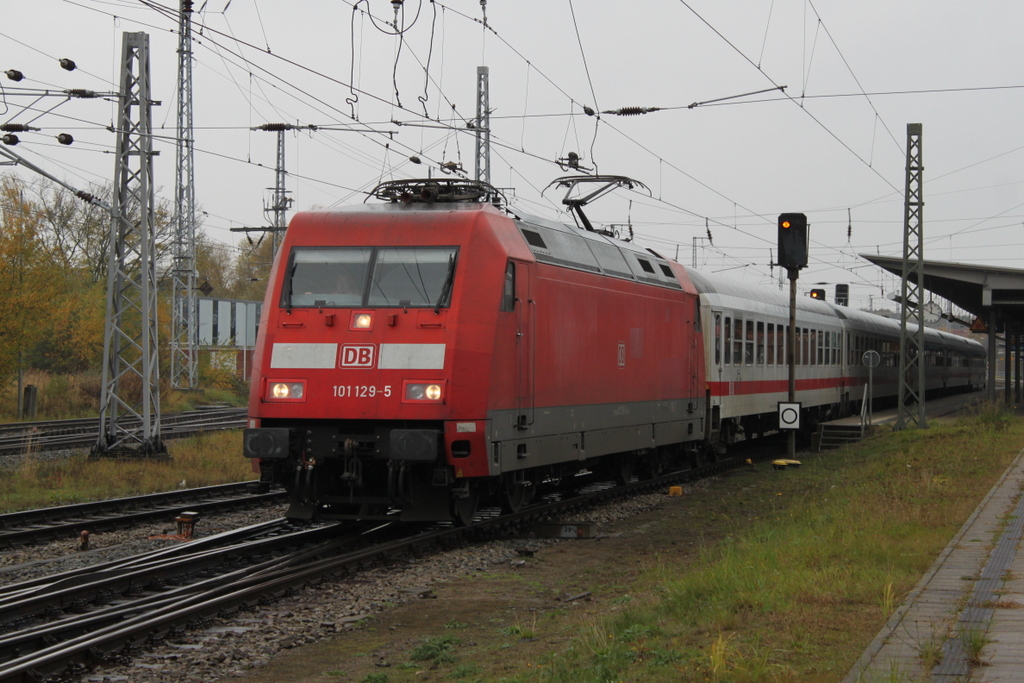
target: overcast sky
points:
(832, 145)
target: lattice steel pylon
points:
(130, 391)
(912, 381)
(483, 125)
(184, 353)
(281, 199)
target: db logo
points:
(353, 356)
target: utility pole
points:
(130, 391)
(696, 241)
(184, 352)
(912, 384)
(281, 202)
(483, 125)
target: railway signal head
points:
(818, 294)
(792, 240)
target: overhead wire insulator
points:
(588, 111)
(16, 127)
(14, 75)
(11, 139)
(415, 159)
(67, 64)
(65, 138)
(631, 111)
(82, 93)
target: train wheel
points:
(624, 472)
(464, 508)
(515, 495)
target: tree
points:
(77, 232)
(30, 280)
(252, 269)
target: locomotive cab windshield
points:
(378, 277)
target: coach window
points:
(771, 344)
(760, 343)
(748, 358)
(808, 351)
(508, 296)
(718, 338)
(728, 340)
(737, 342)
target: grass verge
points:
(765, 576)
(204, 460)
(798, 593)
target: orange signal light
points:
(786, 224)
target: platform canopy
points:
(994, 295)
(990, 293)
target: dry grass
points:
(204, 460)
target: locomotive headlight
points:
(362, 321)
(286, 391)
(426, 391)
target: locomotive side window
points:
(327, 277)
(412, 276)
(508, 297)
(770, 358)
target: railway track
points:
(66, 521)
(117, 630)
(22, 437)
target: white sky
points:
(733, 166)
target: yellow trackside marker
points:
(675, 491)
(458, 473)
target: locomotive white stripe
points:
(411, 357)
(304, 356)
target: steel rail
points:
(117, 641)
(29, 526)
(22, 437)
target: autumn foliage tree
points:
(31, 278)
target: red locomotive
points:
(434, 351)
(419, 357)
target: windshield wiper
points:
(446, 288)
(288, 288)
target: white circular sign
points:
(789, 415)
(871, 359)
